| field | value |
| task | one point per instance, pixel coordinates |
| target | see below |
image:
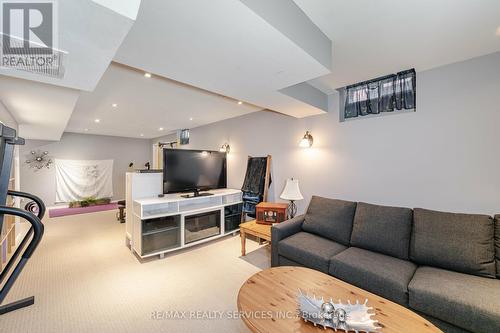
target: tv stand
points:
(196, 193)
(174, 221)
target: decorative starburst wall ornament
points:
(339, 316)
(38, 160)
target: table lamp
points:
(292, 194)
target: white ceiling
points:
(146, 104)
(127, 8)
(89, 34)
(41, 110)
(375, 38)
(247, 49)
(272, 54)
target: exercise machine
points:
(33, 213)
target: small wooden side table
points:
(262, 231)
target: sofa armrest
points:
(281, 231)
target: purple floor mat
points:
(58, 212)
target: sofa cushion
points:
(309, 250)
(330, 218)
(287, 262)
(380, 274)
(467, 301)
(497, 243)
(460, 242)
(382, 229)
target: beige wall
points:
(444, 156)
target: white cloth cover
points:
(76, 180)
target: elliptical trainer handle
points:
(37, 200)
(36, 229)
(36, 226)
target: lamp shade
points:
(291, 191)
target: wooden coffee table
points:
(262, 231)
(275, 290)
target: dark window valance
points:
(384, 94)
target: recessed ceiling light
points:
(141, 134)
(97, 120)
(114, 105)
(86, 129)
(498, 31)
(148, 75)
(160, 129)
(191, 118)
(240, 102)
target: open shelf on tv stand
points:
(174, 221)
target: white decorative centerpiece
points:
(347, 317)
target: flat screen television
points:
(186, 170)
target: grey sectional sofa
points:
(444, 266)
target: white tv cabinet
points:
(172, 222)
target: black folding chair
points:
(256, 184)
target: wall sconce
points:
(307, 140)
(225, 148)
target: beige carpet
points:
(85, 280)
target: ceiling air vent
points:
(27, 56)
